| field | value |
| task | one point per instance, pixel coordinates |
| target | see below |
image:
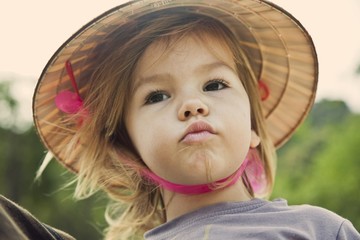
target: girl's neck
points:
(179, 204)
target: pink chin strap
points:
(199, 188)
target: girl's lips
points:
(196, 137)
(197, 132)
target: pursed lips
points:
(197, 132)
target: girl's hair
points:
(110, 161)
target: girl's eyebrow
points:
(152, 79)
(214, 65)
(164, 77)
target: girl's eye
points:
(156, 96)
(215, 85)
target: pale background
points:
(31, 31)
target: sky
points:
(31, 31)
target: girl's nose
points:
(191, 108)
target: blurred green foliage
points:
(49, 199)
(318, 166)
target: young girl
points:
(174, 108)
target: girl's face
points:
(189, 115)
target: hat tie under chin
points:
(252, 166)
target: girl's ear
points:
(255, 139)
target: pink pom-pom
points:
(68, 102)
(256, 173)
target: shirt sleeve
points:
(348, 232)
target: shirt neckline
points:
(188, 219)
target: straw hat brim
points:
(278, 47)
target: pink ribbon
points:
(68, 101)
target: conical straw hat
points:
(278, 47)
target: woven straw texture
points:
(279, 49)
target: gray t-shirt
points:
(256, 219)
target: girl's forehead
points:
(163, 47)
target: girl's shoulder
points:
(319, 221)
(257, 219)
(280, 207)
